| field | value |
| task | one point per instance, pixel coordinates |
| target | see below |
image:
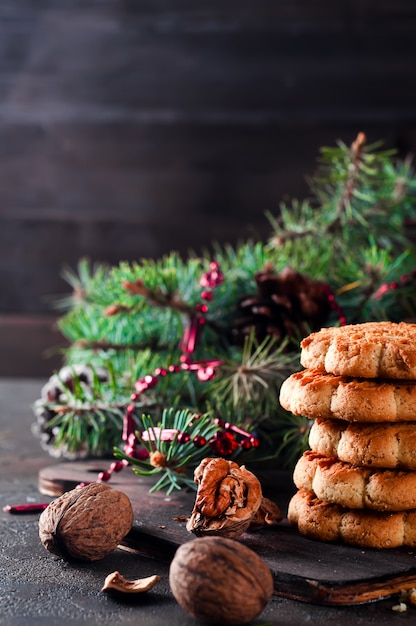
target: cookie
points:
(353, 486)
(369, 350)
(371, 445)
(316, 394)
(362, 528)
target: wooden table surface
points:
(38, 588)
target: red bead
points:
(254, 442)
(132, 439)
(160, 371)
(117, 466)
(174, 368)
(223, 447)
(213, 277)
(104, 476)
(183, 438)
(206, 373)
(206, 295)
(199, 441)
(246, 444)
(150, 381)
(142, 454)
(131, 408)
(141, 385)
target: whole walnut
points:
(220, 580)
(86, 523)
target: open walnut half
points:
(229, 499)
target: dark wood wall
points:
(129, 128)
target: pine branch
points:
(356, 190)
(346, 245)
(347, 192)
(246, 390)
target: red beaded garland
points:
(224, 442)
(334, 305)
(404, 281)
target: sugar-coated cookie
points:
(368, 350)
(354, 486)
(363, 528)
(371, 445)
(315, 394)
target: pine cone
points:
(54, 393)
(288, 304)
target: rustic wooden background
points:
(131, 128)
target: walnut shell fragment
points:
(86, 523)
(116, 582)
(220, 581)
(228, 498)
(268, 513)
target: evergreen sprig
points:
(358, 192)
(174, 460)
(250, 385)
(351, 233)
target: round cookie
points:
(316, 394)
(371, 445)
(353, 486)
(362, 528)
(369, 350)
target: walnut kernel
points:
(86, 523)
(220, 580)
(227, 500)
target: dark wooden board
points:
(303, 569)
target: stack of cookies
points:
(357, 483)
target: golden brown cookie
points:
(371, 445)
(353, 486)
(369, 350)
(363, 528)
(315, 394)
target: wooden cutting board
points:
(305, 570)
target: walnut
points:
(86, 523)
(220, 581)
(228, 498)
